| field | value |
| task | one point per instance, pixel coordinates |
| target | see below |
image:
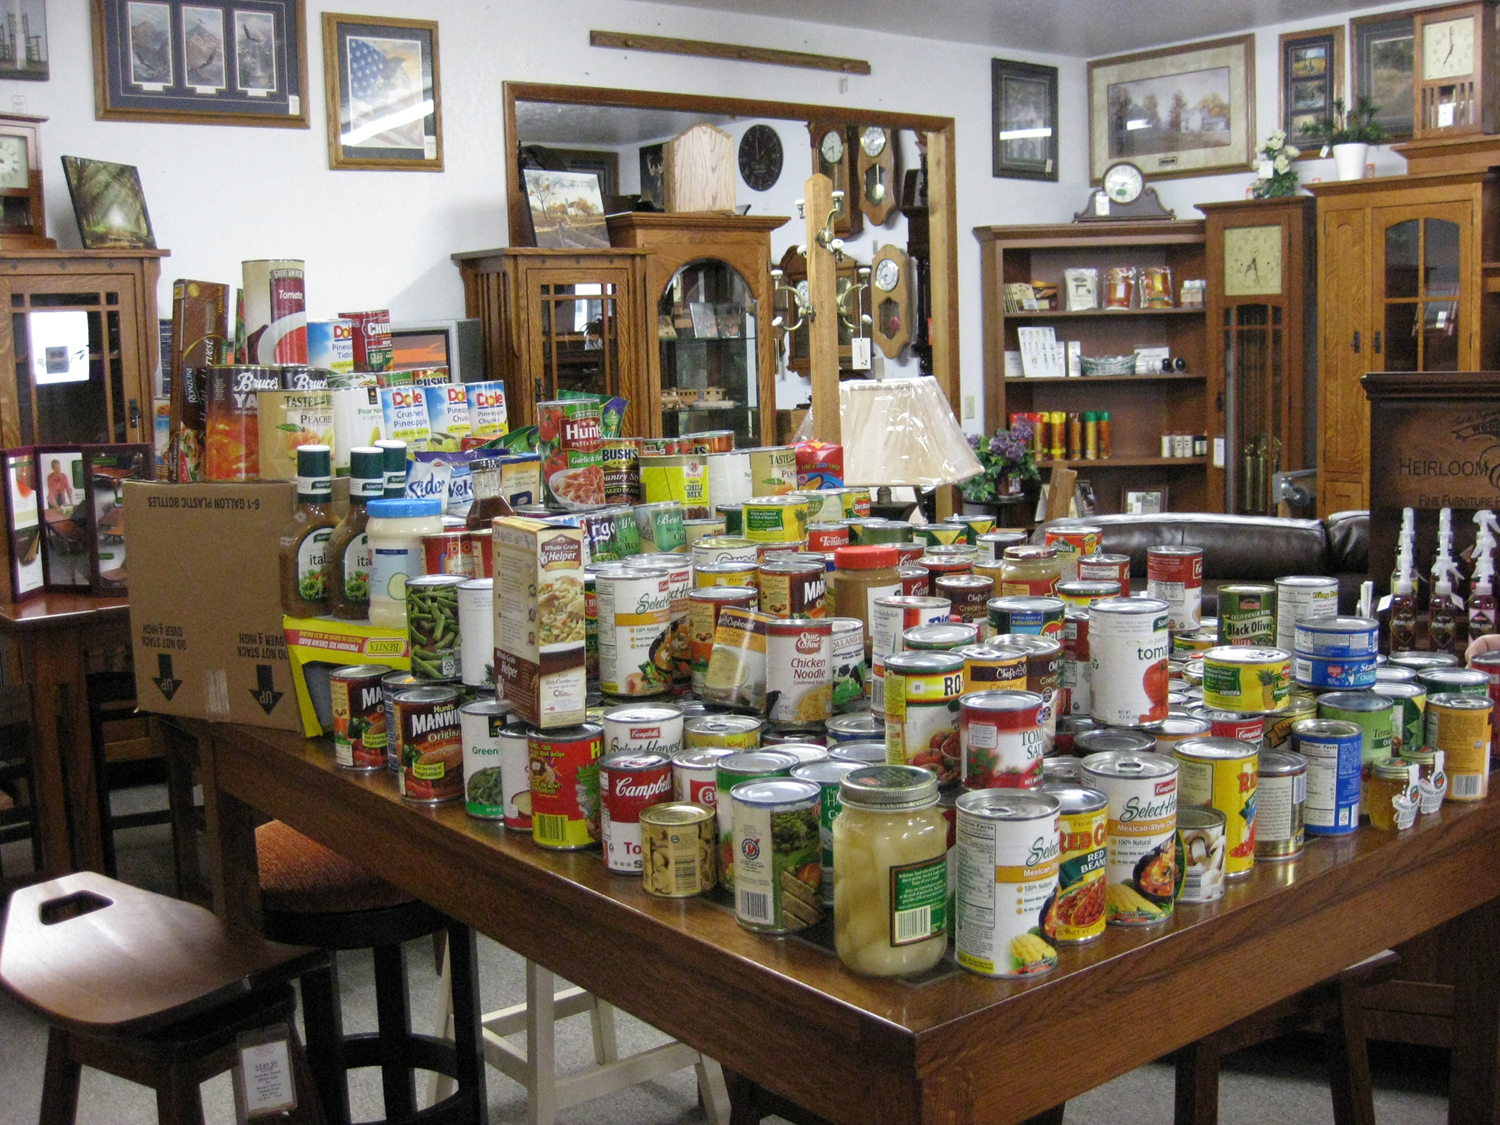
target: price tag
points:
(1264, 170)
(859, 353)
(263, 1083)
(1445, 115)
(1101, 204)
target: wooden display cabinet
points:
(1142, 407)
(555, 320)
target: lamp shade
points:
(902, 432)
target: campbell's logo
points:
(643, 790)
(809, 643)
(407, 396)
(704, 793)
(638, 733)
(560, 549)
(1168, 786)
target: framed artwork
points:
(1024, 120)
(1143, 501)
(108, 204)
(1083, 499)
(23, 525)
(23, 41)
(211, 62)
(653, 175)
(1312, 76)
(567, 209)
(384, 100)
(106, 468)
(65, 533)
(1178, 111)
(602, 163)
(1385, 68)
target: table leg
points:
(233, 869)
(1474, 1086)
(67, 780)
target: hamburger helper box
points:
(539, 628)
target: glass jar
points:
(1030, 570)
(395, 531)
(890, 836)
(490, 501)
(865, 573)
(1389, 779)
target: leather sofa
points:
(1243, 548)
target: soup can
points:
(1043, 675)
(1173, 729)
(1459, 726)
(1201, 835)
(1068, 728)
(1246, 678)
(939, 637)
(1184, 644)
(860, 726)
(1000, 739)
(736, 573)
(646, 728)
(565, 786)
(430, 744)
(450, 552)
(1022, 614)
(827, 537)
(775, 519)
(1337, 638)
(629, 783)
(1008, 845)
(1278, 727)
(1175, 575)
(1247, 615)
(778, 855)
(723, 548)
(846, 667)
(620, 458)
(695, 775)
(890, 617)
(677, 850)
(746, 765)
(1334, 673)
(635, 618)
(868, 752)
(1302, 597)
(799, 688)
(659, 527)
(968, 598)
(1246, 726)
(1373, 715)
(1454, 681)
(1082, 594)
(1077, 693)
(1114, 740)
(1332, 748)
(922, 690)
(1103, 567)
(432, 625)
(476, 631)
(793, 587)
(722, 732)
(393, 684)
(1489, 664)
(481, 724)
(1143, 869)
(1128, 646)
(992, 668)
(1073, 541)
(1408, 714)
(359, 719)
(1062, 770)
(1078, 913)
(515, 774)
(1280, 797)
(1220, 773)
(704, 605)
(826, 775)
(992, 544)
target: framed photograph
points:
(108, 204)
(1143, 501)
(384, 100)
(106, 468)
(1312, 76)
(567, 209)
(1385, 68)
(210, 62)
(1024, 120)
(23, 525)
(23, 41)
(1178, 111)
(1083, 499)
(65, 532)
(653, 175)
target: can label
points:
(921, 721)
(889, 619)
(773, 470)
(359, 722)
(1203, 858)
(778, 868)
(1177, 579)
(620, 462)
(799, 689)
(515, 778)
(678, 859)
(484, 787)
(1000, 749)
(1333, 783)
(993, 670)
(569, 437)
(683, 478)
(829, 808)
(1127, 661)
(635, 619)
(731, 733)
(1242, 684)
(432, 751)
(432, 627)
(1279, 803)
(788, 592)
(1354, 641)
(643, 730)
(846, 667)
(1408, 721)
(1307, 597)
(1079, 913)
(1247, 618)
(1228, 785)
(1007, 875)
(1072, 544)
(1144, 866)
(1463, 737)
(623, 794)
(782, 522)
(659, 528)
(1098, 568)
(703, 624)
(486, 405)
(1338, 672)
(565, 790)
(476, 633)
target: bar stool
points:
(314, 896)
(146, 988)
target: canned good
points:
(1278, 727)
(778, 861)
(737, 666)
(940, 534)
(723, 548)
(1394, 674)
(827, 537)
(736, 573)
(1332, 748)
(859, 727)
(430, 744)
(1128, 646)
(629, 783)
(793, 587)
(869, 752)
(1103, 567)
(1247, 615)
(392, 685)
(570, 437)
(773, 470)
(1245, 726)
(1220, 773)
(704, 606)
(1408, 714)
(746, 765)
(643, 729)
(1083, 594)
(1244, 678)
(991, 668)
(1037, 616)
(1201, 641)
(682, 477)
(1009, 845)
(620, 461)
(1489, 664)
(450, 552)
(1334, 673)
(659, 527)
(1459, 681)
(722, 732)
(1421, 661)
(798, 744)
(481, 724)
(359, 720)
(565, 786)
(1030, 571)
(846, 662)
(1280, 798)
(1043, 675)
(1391, 795)
(1373, 715)
(992, 544)
(922, 692)
(1459, 726)
(890, 617)
(949, 637)
(1068, 728)
(1073, 542)
(1175, 575)
(677, 850)
(1114, 741)
(1302, 597)
(476, 632)
(695, 775)
(968, 598)
(1337, 638)
(1000, 739)
(1174, 729)
(635, 618)
(826, 775)
(1077, 692)
(775, 519)
(1143, 868)
(1201, 836)
(432, 625)
(799, 689)
(1078, 912)
(1062, 770)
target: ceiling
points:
(563, 125)
(1080, 28)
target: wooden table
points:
(959, 1048)
(52, 633)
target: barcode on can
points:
(1467, 785)
(549, 828)
(754, 906)
(685, 875)
(912, 925)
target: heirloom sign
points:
(1448, 458)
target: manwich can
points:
(1220, 773)
(1143, 869)
(429, 744)
(359, 720)
(1009, 845)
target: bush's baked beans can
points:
(1220, 773)
(741, 572)
(1372, 714)
(635, 619)
(628, 784)
(565, 786)
(480, 724)
(704, 605)
(677, 850)
(359, 720)
(992, 668)
(747, 765)
(723, 732)
(1459, 726)
(723, 548)
(1175, 575)
(1245, 678)
(1103, 567)
(968, 598)
(860, 726)
(1143, 869)
(430, 744)
(1202, 837)
(1043, 674)
(1000, 739)
(1022, 614)
(645, 728)
(1408, 714)
(775, 519)
(1127, 646)
(890, 617)
(1302, 597)
(1247, 615)
(799, 689)
(793, 587)
(695, 775)
(1078, 913)
(778, 861)
(922, 690)
(1082, 594)
(1073, 542)
(826, 775)
(1008, 847)
(1280, 798)
(620, 459)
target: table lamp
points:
(901, 432)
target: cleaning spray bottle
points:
(1445, 607)
(1406, 541)
(1482, 606)
(1403, 612)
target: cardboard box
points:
(317, 645)
(539, 636)
(205, 600)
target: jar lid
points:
(404, 509)
(1392, 768)
(889, 787)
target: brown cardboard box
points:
(205, 601)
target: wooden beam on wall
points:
(662, 45)
(942, 212)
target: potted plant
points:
(1009, 466)
(1350, 133)
(1276, 176)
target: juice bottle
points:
(304, 541)
(349, 547)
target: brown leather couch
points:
(1244, 548)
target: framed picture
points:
(567, 209)
(1083, 499)
(108, 204)
(23, 41)
(106, 468)
(210, 62)
(1385, 68)
(65, 533)
(23, 525)
(384, 100)
(1143, 501)
(1178, 111)
(653, 175)
(1024, 120)
(1312, 76)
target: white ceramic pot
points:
(1350, 160)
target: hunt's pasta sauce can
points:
(565, 786)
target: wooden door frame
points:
(942, 183)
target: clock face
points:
(872, 140)
(803, 292)
(887, 274)
(760, 157)
(832, 147)
(1123, 182)
(15, 172)
(1252, 261)
(1448, 49)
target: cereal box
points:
(539, 629)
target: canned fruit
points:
(775, 519)
(1245, 678)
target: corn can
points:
(1244, 678)
(1127, 654)
(1201, 836)
(1185, 644)
(922, 691)
(1143, 869)
(1247, 615)
(1459, 726)
(1220, 773)
(1332, 750)
(778, 855)
(565, 786)
(1009, 845)
(1175, 575)
(677, 850)
(1280, 798)
(1077, 915)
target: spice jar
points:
(1030, 569)
(865, 573)
(1389, 779)
(395, 531)
(1106, 442)
(890, 871)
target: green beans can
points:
(1408, 715)
(481, 723)
(659, 526)
(432, 625)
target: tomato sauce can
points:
(1143, 870)
(695, 775)
(775, 519)
(481, 724)
(1000, 739)
(1043, 674)
(748, 765)
(360, 729)
(565, 786)
(1280, 798)
(1175, 575)
(1102, 567)
(1408, 714)
(735, 573)
(1302, 597)
(1245, 678)
(649, 728)
(1247, 615)
(569, 437)
(793, 587)
(799, 686)
(450, 552)
(723, 732)
(890, 617)
(992, 668)
(430, 744)
(1372, 714)
(1459, 727)
(629, 783)
(677, 850)
(515, 775)
(1489, 664)
(1332, 748)
(1077, 914)
(968, 598)
(393, 684)
(826, 775)
(1008, 845)
(1023, 614)
(1203, 840)
(922, 691)
(1220, 773)
(1127, 647)
(1073, 542)
(704, 605)
(635, 627)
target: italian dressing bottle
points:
(304, 541)
(349, 580)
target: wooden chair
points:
(146, 988)
(18, 812)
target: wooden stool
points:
(1332, 1007)
(314, 896)
(146, 988)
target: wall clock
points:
(875, 167)
(891, 274)
(834, 147)
(1252, 261)
(760, 157)
(23, 213)
(1455, 50)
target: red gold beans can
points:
(1072, 543)
(432, 746)
(359, 728)
(1101, 567)
(1459, 726)
(1077, 914)
(991, 668)
(1221, 774)
(1000, 739)
(565, 786)
(1128, 660)
(629, 783)
(922, 691)
(1175, 575)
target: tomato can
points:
(569, 437)
(1082, 594)
(1000, 739)
(922, 690)
(393, 684)
(677, 850)
(1372, 714)
(1043, 674)
(1128, 646)
(778, 855)
(1245, 678)
(1408, 714)
(1008, 844)
(628, 784)
(1280, 798)
(747, 765)
(643, 728)
(695, 775)
(1143, 869)
(968, 598)
(481, 724)
(1332, 748)
(704, 605)
(799, 687)
(1175, 575)
(1247, 615)
(1077, 914)
(565, 786)
(635, 618)
(723, 732)
(682, 477)
(1202, 838)
(826, 775)
(1246, 726)
(431, 745)
(890, 617)
(1103, 567)
(1489, 664)
(1024, 614)
(1076, 694)
(1073, 542)
(1459, 726)
(1220, 773)
(1331, 674)
(992, 668)
(860, 726)
(359, 720)
(515, 774)
(1302, 597)
(775, 519)
(793, 587)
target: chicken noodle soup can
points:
(635, 616)
(1302, 597)
(922, 691)
(1077, 913)
(1175, 575)
(476, 632)
(481, 724)
(1220, 773)
(1009, 844)
(799, 688)
(1247, 615)
(431, 744)
(1204, 843)
(1459, 727)
(1280, 798)
(826, 775)
(748, 765)
(564, 766)
(1000, 739)
(359, 720)
(1245, 678)
(778, 855)
(677, 850)
(1332, 750)
(1143, 869)
(645, 728)
(628, 784)
(1127, 656)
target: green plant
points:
(1345, 126)
(1006, 454)
(1276, 155)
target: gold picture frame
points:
(384, 94)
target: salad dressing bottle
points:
(349, 548)
(305, 562)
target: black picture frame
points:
(166, 60)
(1024, 100)
(1311, 77)
(105, 469)
(1385, 68)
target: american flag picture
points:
(388, 104)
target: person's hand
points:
(1490, 642)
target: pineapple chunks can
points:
(1009, 845)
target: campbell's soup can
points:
(722, 732)
(1077, 915)
(890, 617)
(695, 775)
(629, 783)
(1247, 615)
(1175, 575)
(635, 629)
(565, 786)
(1073, 542)
(1008, 846)
(481, 724)
(1300, 597)
(431, 745)
(1221, 773)
(1246, 726)
(1043, 675)
(1332, 749)
(993, 668)
(1102, 567)
(1020, 613)
(1128, 647)
(1280, 798)
(922, 691)
(1459, 726)
(515, 775)
(359, 721)
(648, 728)
(1489, 664)
(1000, 739)
(1143, 870)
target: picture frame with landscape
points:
(24, 39)
(384, 97)
(1385, 68)
(1312, 76)
(109, 204)
(1024, 120)
(567, 210)
(1178, 111)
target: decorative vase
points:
(1009, 485)
(1349, 160)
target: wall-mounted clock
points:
(1122, 194)
(1252, 261)
(760, 157)
(890, 274)
(834, 147)
(1454, 89)
(23, 213)
(875, 167)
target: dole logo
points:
(457, 396)
(406, 396)
(809, 644)
(484, 399)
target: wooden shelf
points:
(1064, 314)
(1125, 462)
(1084, 380)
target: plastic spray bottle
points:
(1403, 615)
(1482, 606)
(1444, 609)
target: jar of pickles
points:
(1391, 794)
(890, 871)
(1030, 569)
